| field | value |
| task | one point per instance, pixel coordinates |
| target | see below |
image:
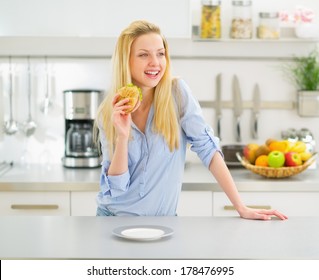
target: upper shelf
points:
(180, 48)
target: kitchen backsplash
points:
(47, 144)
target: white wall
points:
(48, 142)
(90, 18)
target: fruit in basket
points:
(262, 160)
(276, 159)
(298, 147)
(269, 140)
(262, 150)
(292, 159)
(282, 146)
(305, 156)
(249, 152)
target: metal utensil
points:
(46, 104)
(238, 107)
(256, 110)
(218, 107)
(4, 169)
(10, 126)
(29, 126)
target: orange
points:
(281, 146)
(262, 160)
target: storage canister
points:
(210, 19)
(269, 26)
(241, 25)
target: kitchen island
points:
(192, 238)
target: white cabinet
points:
(83, 203)
(195, 203)
(35, 203)
(191, 203)
(289, 203)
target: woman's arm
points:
(122, 124)
(221, 173)
(119, 163)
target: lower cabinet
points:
(191, 203)
(195, 203)
(83, 203)
(290, 203)
(35, 203)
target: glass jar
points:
(269, 27)
(210, 20)
(242, 24)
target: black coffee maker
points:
(80, 108)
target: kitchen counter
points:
(196, 177)
(193, 238)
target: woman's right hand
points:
(121, 120)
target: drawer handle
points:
(34, 206)
(232, 208)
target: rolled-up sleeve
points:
(114, 185)
(199, 134)
(111, 185)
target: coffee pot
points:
(80, 108)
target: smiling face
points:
(147, 60)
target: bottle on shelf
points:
(242, 24)
(210, 19)
(269, 26)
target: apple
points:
(292, 159)
(249, 152)
(276, 159)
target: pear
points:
(262, 150)
(269, 141)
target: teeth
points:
(151, 72)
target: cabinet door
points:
(35, 203)
(83, 203)
(191, 203)
(289, 203)
(195, 203)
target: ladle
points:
(29, 126)
(46, 104)
(10, 126)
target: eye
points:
(142, 55)
(161, 54)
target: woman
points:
(144, 151)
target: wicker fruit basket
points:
(271, 172)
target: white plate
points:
(142, 232)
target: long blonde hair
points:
(165, 115)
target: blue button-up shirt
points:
(153, 181)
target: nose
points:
(154, 60)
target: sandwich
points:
(133, 93)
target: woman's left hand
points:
(261, 214)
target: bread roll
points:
(133, 93)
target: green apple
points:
(276, 159)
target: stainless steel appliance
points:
(80, 108)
